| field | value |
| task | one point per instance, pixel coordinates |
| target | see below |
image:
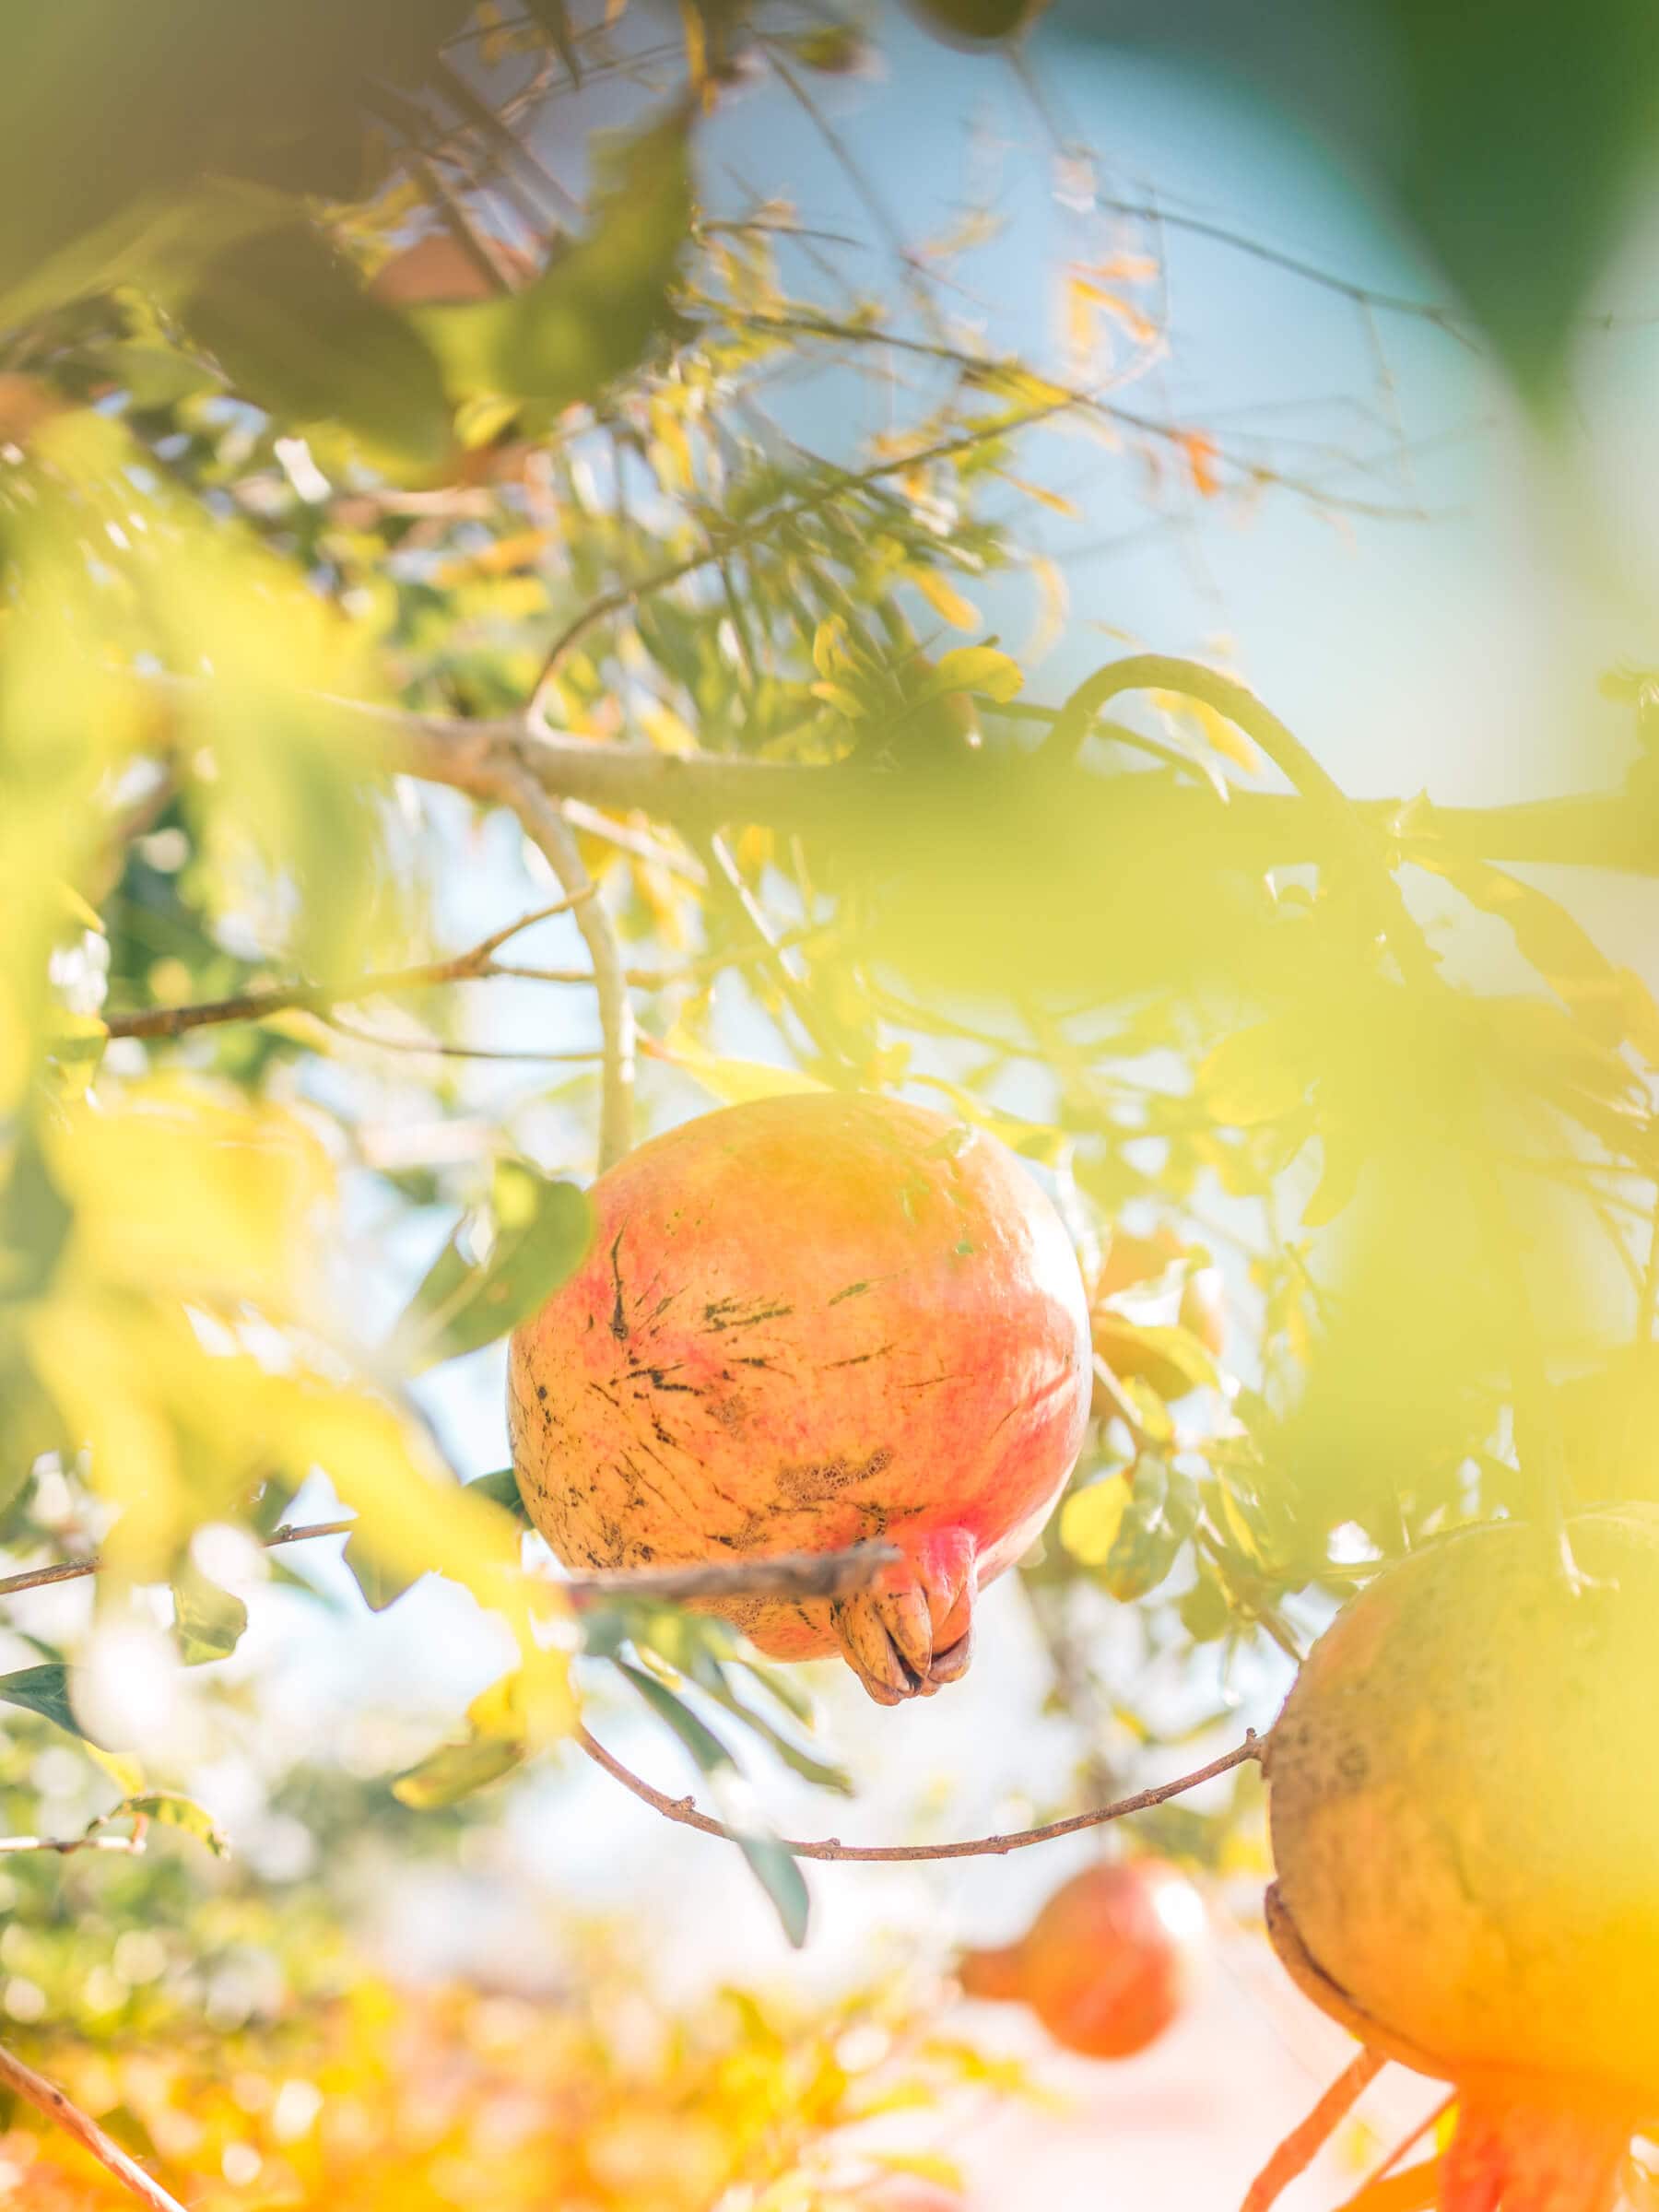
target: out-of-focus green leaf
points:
(208, 1622)
(298, 334)
(541, 1229)
(45, 1690)
(594, 311)
(501, 1487)
(455, 1771)
(774, 1867)
(35, 1221)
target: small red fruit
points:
(807, 1323)
(1108, 1961)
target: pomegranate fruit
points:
(1108, 1961)
(1465, 1806)
(806, 1323)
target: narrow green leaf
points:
(773, 1867)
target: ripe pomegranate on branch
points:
(803, 1324)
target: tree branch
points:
(548, 829)
(318, 998)
(1593, 829)
(35, 2089)
(683, 1811)
(789, 1574)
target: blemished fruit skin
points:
(1110, 1961)
(807, 1323)
(1464, 1807)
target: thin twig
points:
(788, 1574)
(684, 1811)
(544, 825)
(718, 544)
(791, 1574)
(1309, 2137)
(1405, 2143)
(47, 2098)
(476, 963)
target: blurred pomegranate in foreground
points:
(807, 1323)
(1108, 1961)
(1464, 1808)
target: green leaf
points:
(711, 1677)
(541, 1232)
(773, 1867)
(171, 1810)
(455, 1771)
(208, 1622)
(501, 1487)
(381, 1585)
(45, 1690)
(597, 309)
(297, 333)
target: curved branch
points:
(1345, 825)
(47, 2098)
(547, 828)
(685, 1813)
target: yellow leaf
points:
(665, 729)
(1252, 1076)
(183, 1188)
(733, 1082)
(77, 910)
(1055, 501)
(839, 697)
(1217, 733)
(829, 645)
(978, 668)
(1090, 1518)
(944, 598)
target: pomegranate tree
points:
(1465, 1806)
(1108, 1961)
(807, 1323)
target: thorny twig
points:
(1309, 2136)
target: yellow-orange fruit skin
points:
(1464, 1808)
(807, 1323)
(1110, 1961)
